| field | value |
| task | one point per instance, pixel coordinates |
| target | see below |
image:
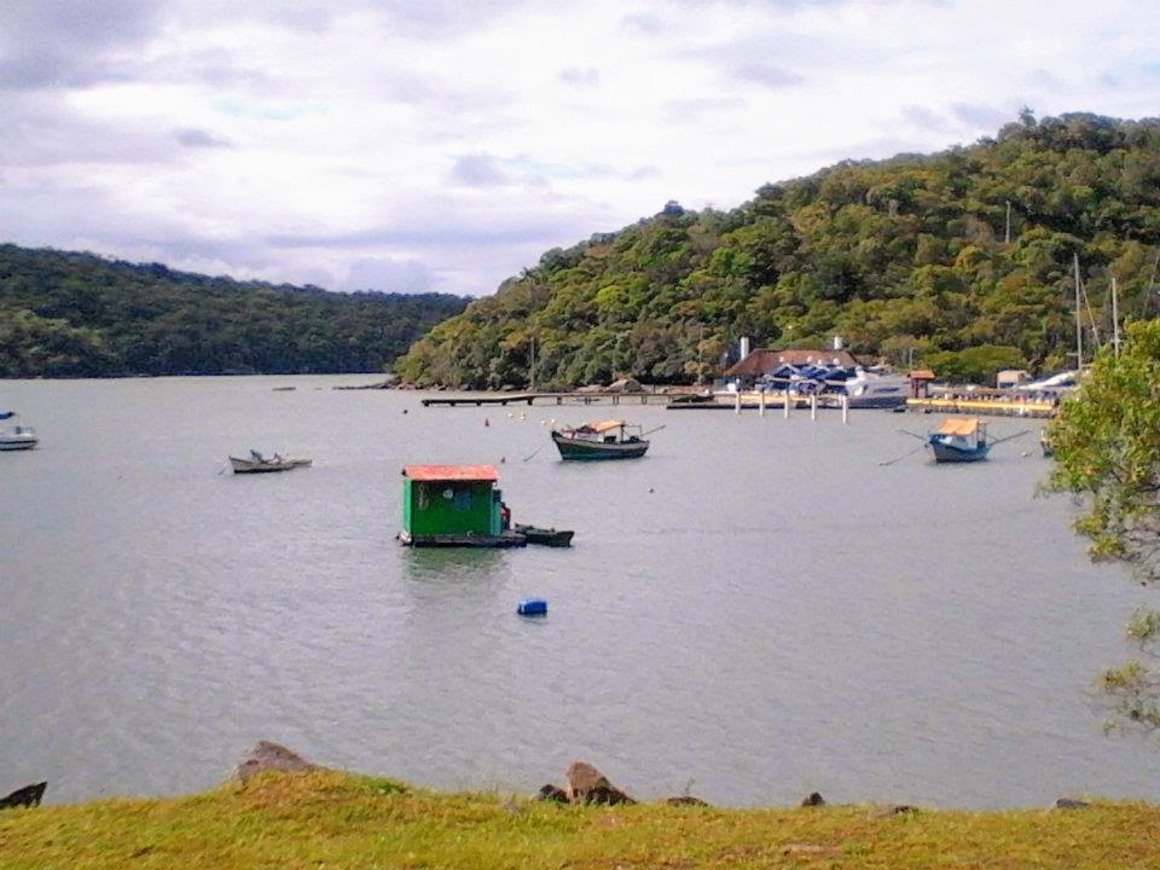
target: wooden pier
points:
(480, 400)
(987, 407)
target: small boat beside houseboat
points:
(605, 439)
(545, 537)
(960, 439)
(256, 463)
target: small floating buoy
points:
(404, 410)
(650, 489)
(502, 460)
(486, 422)
(532, 607)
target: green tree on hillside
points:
(966, 256)
(68, 314)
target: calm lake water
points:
(755, 610)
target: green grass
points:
(329, 819)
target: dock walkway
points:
(481, 399)
(991, 407)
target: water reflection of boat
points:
(258, 464)
(960, 439)
(606, 439)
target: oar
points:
(1011, 437)
(913, 435)
(910, 452)
(533, 453)
(650, 431)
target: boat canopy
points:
(963, 426)
(604, 426)
(450, 472)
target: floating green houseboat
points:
(454, 506)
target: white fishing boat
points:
(866, 389)
(256, 463)
(18, 438)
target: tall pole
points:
(532, 372)
(1115, 320)
(1078, 324)
(1007, 232)
(700, 354)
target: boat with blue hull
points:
(960, 439)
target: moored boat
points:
(18, 438)
(545, 537)
(960, 439)
(605, 439)
(455, 506)
(258, 464)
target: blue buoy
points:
(533, 607)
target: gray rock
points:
(685, 800)
(550, 792)
(272, 756)
(1071, 804)
(897, 810)
(585, 784)
(813, 799)
(29, 796)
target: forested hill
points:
(960, 260)
(77, 315)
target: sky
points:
(445, 145)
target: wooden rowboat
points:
(259, 464)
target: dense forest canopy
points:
(961, 261)
(79, 315)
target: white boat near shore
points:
(18, 438)
(259, 464)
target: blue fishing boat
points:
(960, 439)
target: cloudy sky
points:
(444, 145)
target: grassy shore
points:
(334, 819)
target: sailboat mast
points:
(1115, 320)
(1078, 322)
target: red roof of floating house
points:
(761, 361)
(450, 472)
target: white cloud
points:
(439, 145)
